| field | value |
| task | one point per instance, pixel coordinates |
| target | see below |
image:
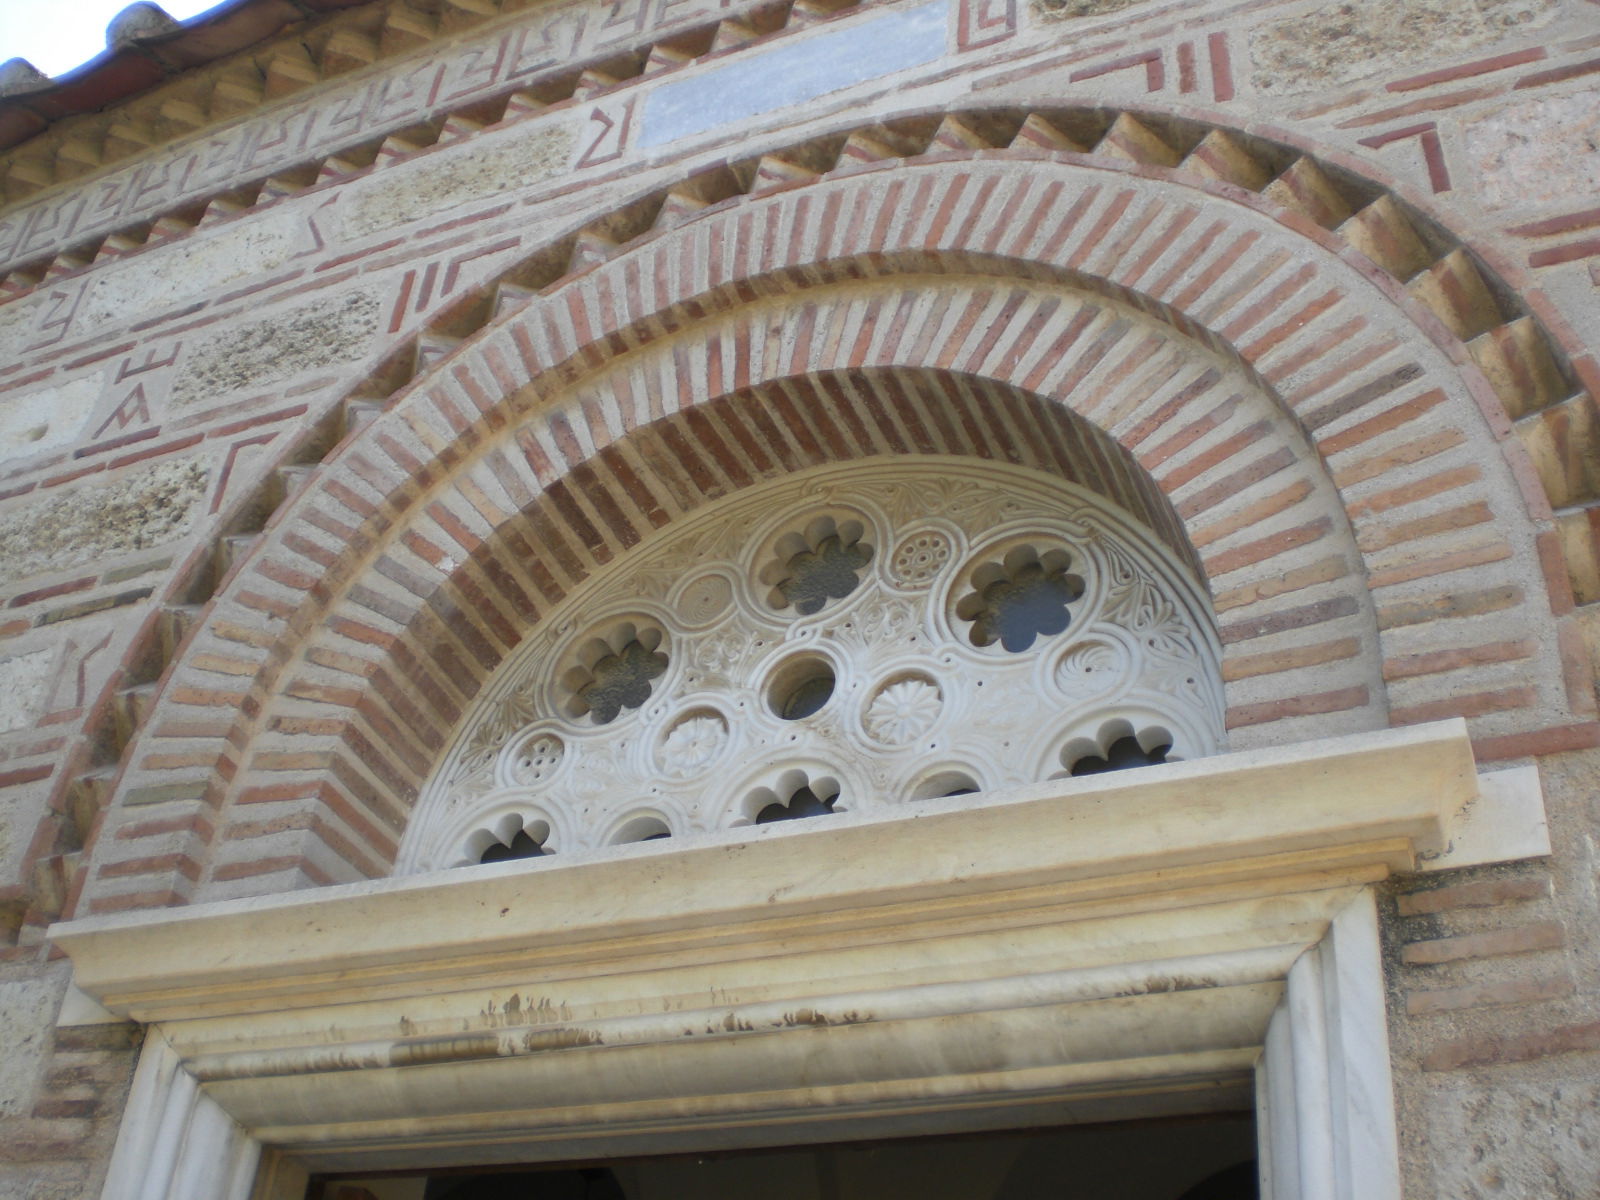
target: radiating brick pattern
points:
(390, 531)
(1332, 341)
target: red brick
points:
(131, 901)
(1421, 489)
(1553, 563)
(1299, 617)
(24, 775)
(1216, 455)
(263, 866)
(1583, 219)
(194, 822)
(1525, 939)
(1443, 564)
(1476, 704)
(173, 447)
(1554, 740)
(1342, 700)
(55, 589)
(1294, 324)
(1485, 1049)
(1324, 570)
(1557, 74)
(117, 443)
(1377, 537)
(1487, 995)
(282, 414)
(1215, 269)
(1246, 666)
(1409, 666)
(1479, 893)
(1266, 548)
(1577, 674)
(1455, 604)
(1571, 252)
(1178, 263)
(69, 476)
(1403, 455)
(1480, 66)
(1390, 418)
(1270, 303)
(152, 865)
(1232, 484)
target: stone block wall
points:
(274, 334)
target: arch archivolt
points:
(1291, 409)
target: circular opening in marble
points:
(800, 687)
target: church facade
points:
(595, 588)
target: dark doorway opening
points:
(1200, 1158)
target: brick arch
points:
(324, 706)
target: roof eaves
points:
(143, 60)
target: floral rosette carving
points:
(903, 711)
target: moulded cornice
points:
(1367, 803)
(1078, 949)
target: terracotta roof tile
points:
(122, 72)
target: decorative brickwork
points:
(425, 315)
(1206, 432)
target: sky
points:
(58, 35)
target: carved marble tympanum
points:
(843, 640)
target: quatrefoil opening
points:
(793, 795)
(1117, 746)
(614, 672)
(511, 836)
(817, 565)
(1021, 598)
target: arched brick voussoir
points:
(373, 566)
(1188, 420)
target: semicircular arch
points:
(365, 567)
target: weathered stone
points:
(1534, 1136)
(17, 321)
(138, 22)
(18, 75)
(27, 1009)
(794, 72)
(46, 418)
(1539, 151)
(137, 511)
(278, 348)
(452, 177)
(24, 684)
(1349, 41)
(193, 266)
(1062, 9)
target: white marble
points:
(46, 418)
(917, 706)
(1088, 949)
(1505, 822)
(796, 72)
(1324, 1092)
(176, 1143)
